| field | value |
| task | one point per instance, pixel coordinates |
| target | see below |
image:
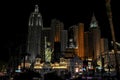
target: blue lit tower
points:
(34, 33)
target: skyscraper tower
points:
(64, 40)
(81, 40)
(88, 44)
(34, 33)
(56, 29)
(104, 45)
(95, 30)
(77, 36)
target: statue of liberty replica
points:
(48, 52)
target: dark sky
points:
(15, 14)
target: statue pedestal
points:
(47, 67)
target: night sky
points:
(15, 14)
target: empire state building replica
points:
(34, 34)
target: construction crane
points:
(118, 44)
(109, 13)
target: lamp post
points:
(109, 12)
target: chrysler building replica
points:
(96, 34)
(34, 34)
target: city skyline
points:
(18, 19)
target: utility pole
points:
(109, 13)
